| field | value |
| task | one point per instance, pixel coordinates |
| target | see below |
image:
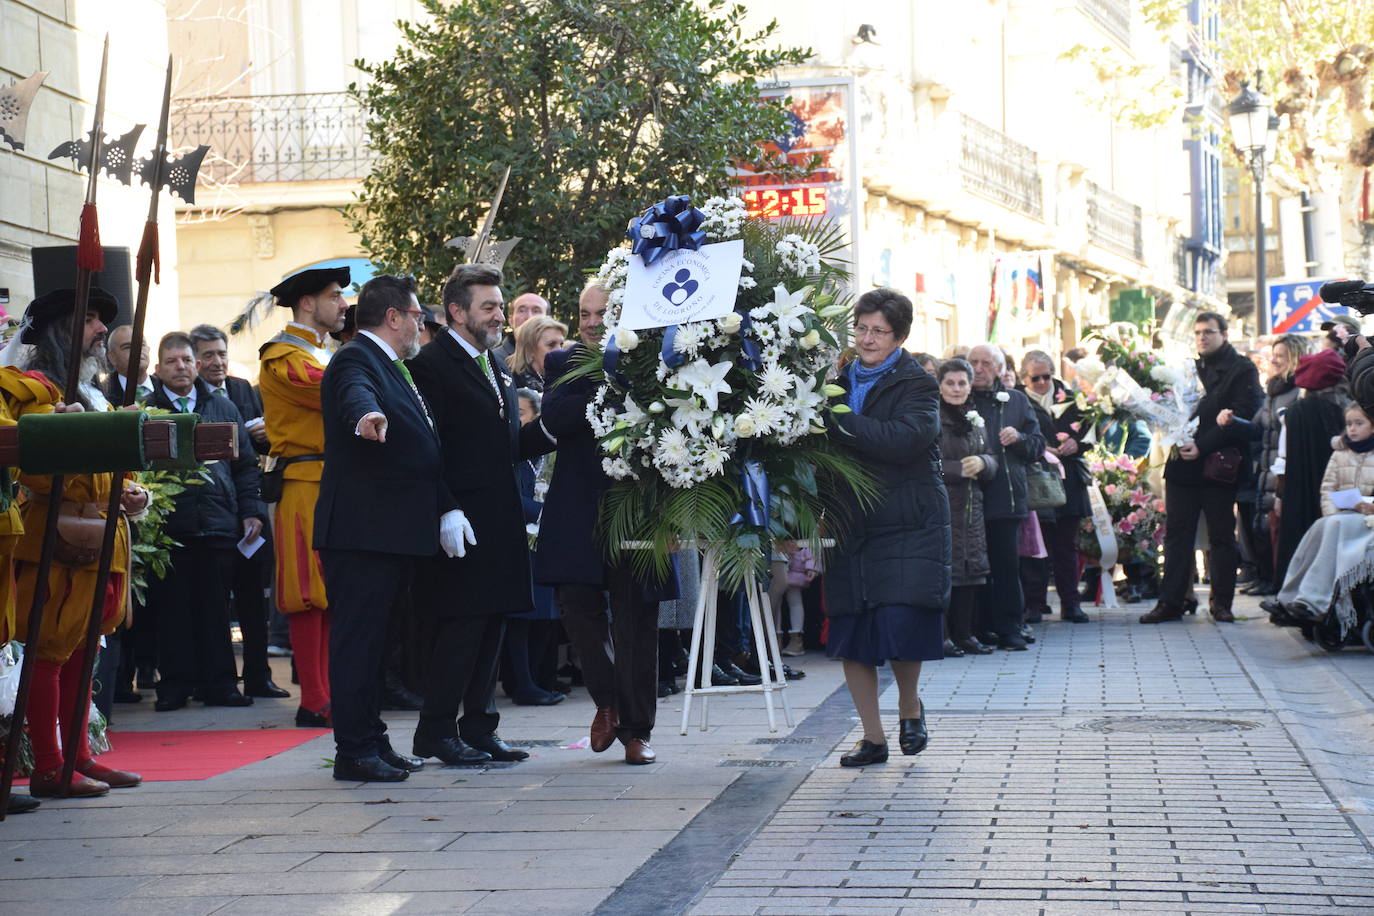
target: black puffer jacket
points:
(1281, 396)
(216, 507)
(1004, 496)
(898, 551)
(969, 542)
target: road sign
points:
(1296, 308)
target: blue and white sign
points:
(1296, 308)
(683, 286)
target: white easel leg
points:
(774, 652)
(710, 583)
(760, 641)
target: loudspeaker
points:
(54, 267)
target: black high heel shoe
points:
(1190, 606)
(864, 753)
(912, 736)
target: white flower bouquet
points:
(715, 431)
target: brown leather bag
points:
(80, 533)
(1222, 466)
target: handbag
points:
(80, 533)
(1044, 488)
(1222, 466)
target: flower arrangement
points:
(1127, 375)
(1137, 514)
(715, 431)
(1122, 347)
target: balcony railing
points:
(1181, 263)
(307, 137)
(1114, 223)
(995, 166)
(1113, 15)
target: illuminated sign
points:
(808, 200)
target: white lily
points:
(632, 414)
(789, 308)
(705, 381)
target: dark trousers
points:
(194, 649)
(1000, 601)
(619, 651)
(1183, 505)
(363, 586)
(463, 664)
(250, 578)
(1061, 542)
(963, 599)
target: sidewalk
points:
(1181, 768)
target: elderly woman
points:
(888, 583)
(535, 339)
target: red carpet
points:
(173, 756)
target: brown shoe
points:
(1223, 615)
(49, 785)
(603, 728)
(1162, 613)
(637, 751)
(116, 779)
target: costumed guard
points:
(292, 368)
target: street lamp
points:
(1254, 128)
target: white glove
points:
(455, 533)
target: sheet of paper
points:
(1346, 499)
(248, 548)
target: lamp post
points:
(1254, 128)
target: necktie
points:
(181, 404)
(222, 392)
(405, 372)
(491, 379)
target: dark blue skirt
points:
(900, 632)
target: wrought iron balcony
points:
(306, 137)
(1114, 223)
(995, 166)
(1113, 15)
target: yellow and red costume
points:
(289, 378)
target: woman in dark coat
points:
(1063, 429)
(888, 583)
(1280, 393)
(966, 462)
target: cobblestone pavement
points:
(1114, 767)
(1179, 768)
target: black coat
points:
(570, 550)
(481, 448)
(217, 507)
(249, 403)
(1076, 503)
(1230, 381)
(1360, 372)
(1004, 496)
(383, 497)
(969, 542)
(898, 550)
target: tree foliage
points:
(599, 107)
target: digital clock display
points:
(774, 202)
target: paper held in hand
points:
(683, 286)
(1349, 499)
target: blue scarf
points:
(862, 380)
(1361, 447)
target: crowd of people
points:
(412, 517)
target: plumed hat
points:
(307, 283)
(59, 304)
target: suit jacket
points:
(249, 403)
(481, 448)
(384, 497)
(217, 507)
(113, 389)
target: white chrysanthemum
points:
(776, 380)
(688, 339)
(713, 458)
(747, 283)
(798, 256)
(767, 416)
(724, 217)
(618, 468)
(672, 446)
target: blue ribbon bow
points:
(610, 361)
(756, 497)
(668, 226)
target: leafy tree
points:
(599, 107)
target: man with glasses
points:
(1202, 479)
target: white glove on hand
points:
(455, 533)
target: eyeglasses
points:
(417, 314)
(1039, 378)
(860, 331)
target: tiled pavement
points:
(1022, 804)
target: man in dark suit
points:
(467, 594)
(117, 346)
(251, 575)
(191, 602)
(619, 654)
(380, 508)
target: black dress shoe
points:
(266, 689)
(864, 753)
(232, 698)
(399, 761)
(667, 689)
(22, 804)
(308, 718)
(1163, 612)
(987, 637)
(1222, 614)
(449, 750)
(543, 698)
(911, 734)
(952, 651)
(169, 702)
(972, 646)
(742, 677)
(367, 769)
(1075, 615)
(1025, 633)
(1011, 643)
(496, 749)
(125, 695)
(719, 678)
